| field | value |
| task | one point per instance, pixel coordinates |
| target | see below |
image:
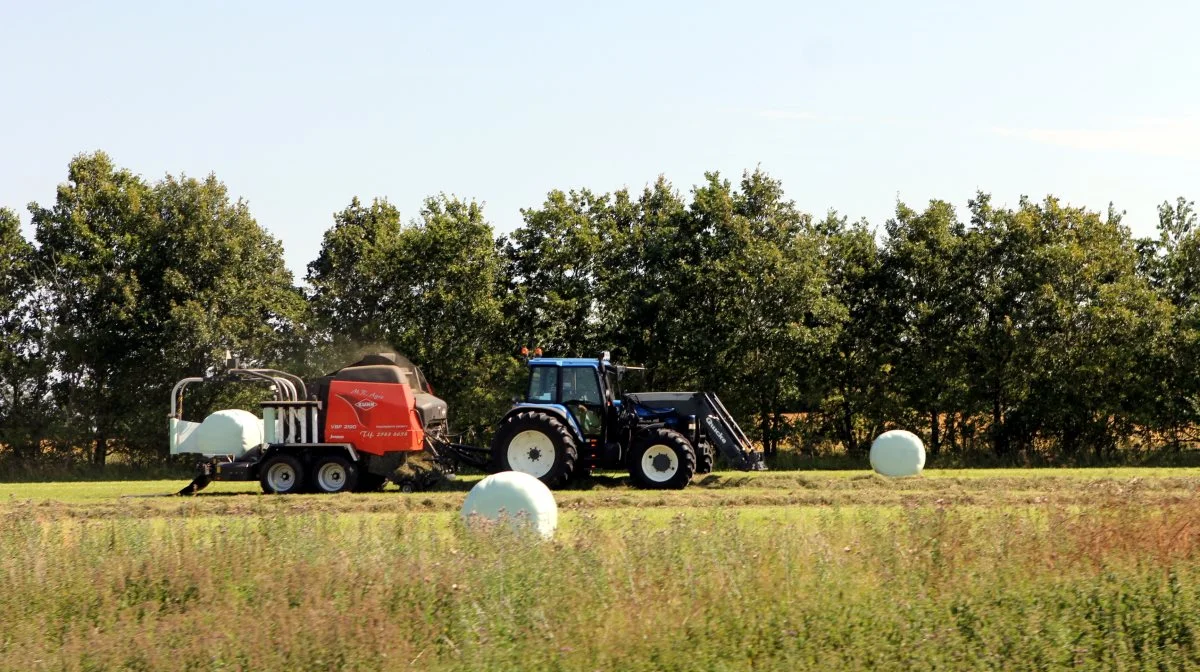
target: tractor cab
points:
(586, 388)
(585, 392)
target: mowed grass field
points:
(990, 569)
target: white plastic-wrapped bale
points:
(229, 432)
(518, 499)
(898, 453)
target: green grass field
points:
(995, 569)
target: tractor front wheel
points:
(662, 459)
(538, 444)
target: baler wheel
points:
(333, 474)
(281, 474)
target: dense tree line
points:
(1043, 330)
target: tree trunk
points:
(848, 429)
(767, 439)
(934, 434)
(773, 417)
(777, 428)
(999, 440)
(100, 451)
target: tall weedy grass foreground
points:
(927, 587)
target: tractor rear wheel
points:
(281, 474)
(662, 459)
(538, 444)
(332, 474)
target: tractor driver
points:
(581, 400)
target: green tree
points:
(1175, 272)
(149, 283)
(86, 241)
(854, 371)
(25, 414)
(428, 289)
(764, 288)
(927, 303)
(646, 282)
(727, 294)
(447, 315)
(552, 269)
(1066, 327)
(1106, 324)
(212, 280)
(350, 289)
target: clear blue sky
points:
(297, 107)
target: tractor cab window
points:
(543, 384)
(613, 384)
(580, 384)
(581, 395)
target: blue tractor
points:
(574, 419)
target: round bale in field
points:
(517, 498)
(898, 453)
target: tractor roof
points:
(565, 361)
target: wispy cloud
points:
(794, 115)
(785, 114)
(1169, 137)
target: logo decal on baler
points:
(362, 402)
